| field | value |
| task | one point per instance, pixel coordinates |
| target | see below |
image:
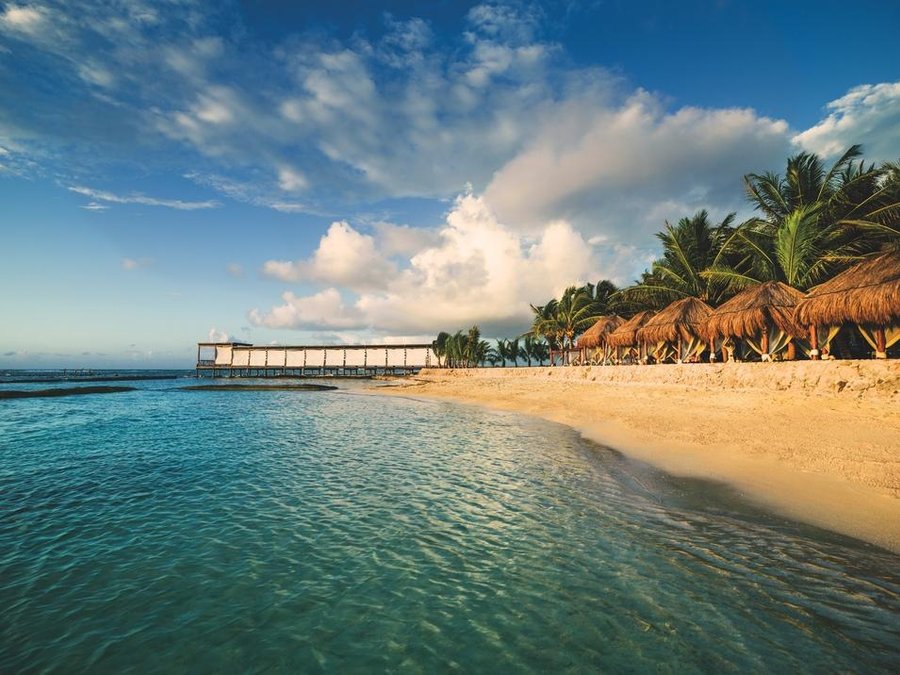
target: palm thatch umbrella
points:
(595, 336)
(763, 315)
(681, 324)
(867, 294)
(626, 334)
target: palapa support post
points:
(764, 345)
(880, 343)
(791, 351)
(813, 343)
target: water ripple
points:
(273, 531)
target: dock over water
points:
(241, 359)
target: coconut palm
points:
(815, 222)
(439, 346)
(689, 248)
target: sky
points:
(175, 171)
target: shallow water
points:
(175, 531)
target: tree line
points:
(467, 350)
(812, 222)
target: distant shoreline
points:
(816, 441)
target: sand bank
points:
(816, 441)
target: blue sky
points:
(338, 172)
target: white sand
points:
(816, 441)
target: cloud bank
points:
(478, 271)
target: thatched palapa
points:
(626, 334)
(685, 319)
(866, 294)
(596, 335)
(755, 310)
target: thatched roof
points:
(626, 334)
(754, 309)
(595, 336)
(686, 317)
(867, 293)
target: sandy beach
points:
(816, 441)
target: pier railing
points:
(234, 359)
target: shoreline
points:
(818, 442)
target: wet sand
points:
(816, 441)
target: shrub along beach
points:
(814, 277)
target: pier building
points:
(241, 359)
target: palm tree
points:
(815, 222)
(541, 351)
(689, 248)
(603, 295)
(439, 346)
(529, 342)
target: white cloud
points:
(248, 192)
(479, 271)
(344, 257)
(94, 206)
(607, 167)
(402, 239)
(291, 180)
(23, 19)
(325, 308)
(131, 264)
(234, 270)
(216, 335)
(867, 114)
(103, 196)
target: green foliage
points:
(814, 223)
(560, 320)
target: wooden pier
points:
(240, 359)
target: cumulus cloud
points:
(868, 114)
(104, 196)
(326, 308)
(344, 257)
(478, 271)
(605, 168)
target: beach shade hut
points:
(592, 343)
(867, 294)
(762, 316)
(624, 338)
(678, 331)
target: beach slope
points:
(815, 441)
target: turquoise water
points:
(172, 531)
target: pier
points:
(241, 359)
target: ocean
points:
(167, 530)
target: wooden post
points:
(880, 343)
(764, 343)
(791, 351)
(813, 343)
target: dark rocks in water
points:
(69, 391)
(259, 387)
